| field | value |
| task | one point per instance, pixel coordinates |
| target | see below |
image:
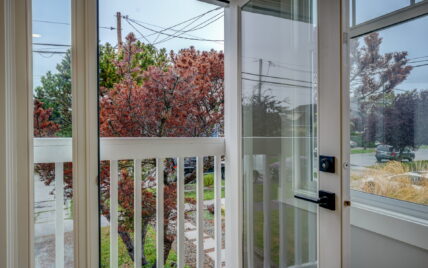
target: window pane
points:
(279, 97)
(366, 9)
(389, 107)
(53, 217)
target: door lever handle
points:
(325, 199)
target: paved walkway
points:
(191, 234)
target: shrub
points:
(209, 179)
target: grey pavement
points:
(369, 159)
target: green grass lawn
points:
(124, 259)
(362, 151)
(208, 192)
(289, 236)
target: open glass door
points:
(285, 100)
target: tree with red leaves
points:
(373, 77)
(144, 92)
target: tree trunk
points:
(129, 243)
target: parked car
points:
(387, 152)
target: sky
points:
(51, 25)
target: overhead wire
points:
(178, 24)
(277, 77)
(201, 25)
(185, 26)
(171, 35)
(138, 31)
(67, 23)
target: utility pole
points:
(119, 29)
(260, 80)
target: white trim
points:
(8, 186)
(22, 114)
(137, 213)
(232, 118)
(399, 207)
(398, 226)
(217, 212)
(345, 127)
(59, 214)
(50, 150)
(180, 212)
(159, 213)
(114, 214)
(329, 132)
(85, 132)
(390, 19)
(199, 212)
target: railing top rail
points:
(50, 150)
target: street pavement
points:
(369, 159)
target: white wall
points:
(371, 250)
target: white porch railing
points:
(59, 151)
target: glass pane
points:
(389, 106)
(53, 193)
(161, 76)
(364, 10)
(279, 97)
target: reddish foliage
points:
(43, 126)
(184, 98)
(181, 98)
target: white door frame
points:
(332, 237)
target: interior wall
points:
(373, 250)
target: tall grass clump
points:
(398, 180)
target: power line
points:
(196, 27)
(277, 83)
(162, 28)
(171, 35)
(277, 77)
(49, 52)
(421, 65)
(421, 57)
(185, 26)
(178, 24)
(416, 61)
(135, 28)
(51, 44)
(67, 23)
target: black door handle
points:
(325, 199)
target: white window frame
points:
(16, 139)
(19, 109)
(397, 219)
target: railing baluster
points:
(159, 213)
(297, 236)
(137, 214)
(267, 217)
(180, 212)
(217, 211)
(200, 211)
(249, 161)
(114, 214)
(59, 211)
